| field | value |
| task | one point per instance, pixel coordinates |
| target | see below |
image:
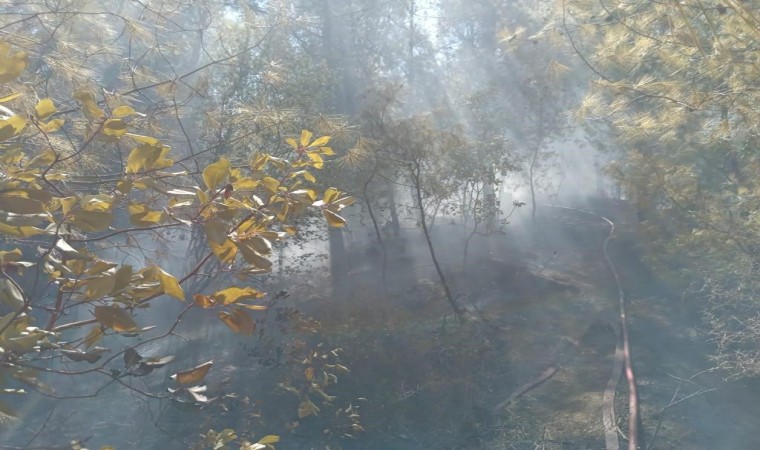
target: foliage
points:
(56, 281)
(675, 87)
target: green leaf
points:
(216, 173)
(115, 318)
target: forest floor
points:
(548, 302)
(538, 300)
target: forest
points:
(379, 224)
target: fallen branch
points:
(526, 387)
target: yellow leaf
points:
(11, 66)
(45, 108)
(97, 268)
(21, 205)
(305, 137)
(259, 160)
(216, 173)
(343, 202)
(304, 196)
(253, 258)
(225, 252)
(170, 285)
(292, 142)
(10, 295)
(52, 126)
(67, 203)
(235, 294)
(143, 158)
(245, 184)
(271, 184)
(10, 97)
(269, 439)
(114, 128)
(99, 287)
(142, 216)
(309, 373)
(11, 127)
(320, 141)
(19, 231)
(316, 160)
(194, 375)
(333, 219)
(253, 307)
(238, 321)
(261, 245)
(147, 140)
(10, 256)
(43, 159)
(90, 221)
(330, 195)
(115, 318)
(123, 111)
(89, 107)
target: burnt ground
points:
(544, 299)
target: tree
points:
(84, 177)
(675, 89)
